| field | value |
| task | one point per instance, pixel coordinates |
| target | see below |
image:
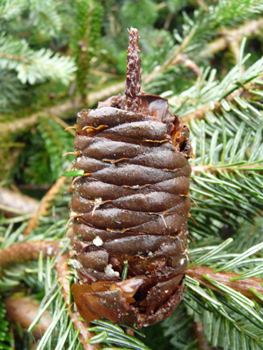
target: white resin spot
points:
(110, 272)
(182, 261)
(97, 241)
(98, 200)
(49, 250)
(76, 264)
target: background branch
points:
(241, 92)
(63, 271)
(58, 110)
(17, 203)
(243, 286)
(251, 28)
(24, 311)
(46, 203)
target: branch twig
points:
(211, 169)
(16, 203)
(45, 204)
(27, 251)
(63, 271)
(250, 28)
(190, 64)
(242, 92)
(242, 286)
(200, 335)
(73, 105)
(24, 311)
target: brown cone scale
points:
(131, 206)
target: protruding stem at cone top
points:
(133, 71)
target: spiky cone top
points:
(130, 208)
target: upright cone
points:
(130, 207)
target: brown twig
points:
(191, 65)
(27, 251)
(63, 124)
(168, 21)
(211, 169)
(32, 187)
(200, 335)
(24, 311)
(45, 204)
(249, 29)
(16, 203)
(242, 286)
(234, 48)
(241, 92)
(58, 110)
(63, 271)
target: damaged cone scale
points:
(130, 207)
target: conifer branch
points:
(17, 203)
(229, 169)
(34, 66)
(27, 251)
(249, 29)
(199, 331)
(243, 286)
(45, 204)
(60, 109)
(244, 92)
(63, 271)
(23, 311)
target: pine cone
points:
(130, 208)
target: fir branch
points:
(34, 66)
(85, 39)
(246, 92)
(234, 86)
(232, 169)
(60, 109)
(5, 340)
(27, 251)
(243, 286)
(46, 204)
(17, 203)
(224, 315)
(11, 89)
(196, 31)
(11, 8)
(249, 29)
(44, 16)
(23, 311)
(63, 271)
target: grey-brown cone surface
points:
(130, 208)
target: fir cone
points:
(130, 208)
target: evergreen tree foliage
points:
(205, 57)
(87, 28)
